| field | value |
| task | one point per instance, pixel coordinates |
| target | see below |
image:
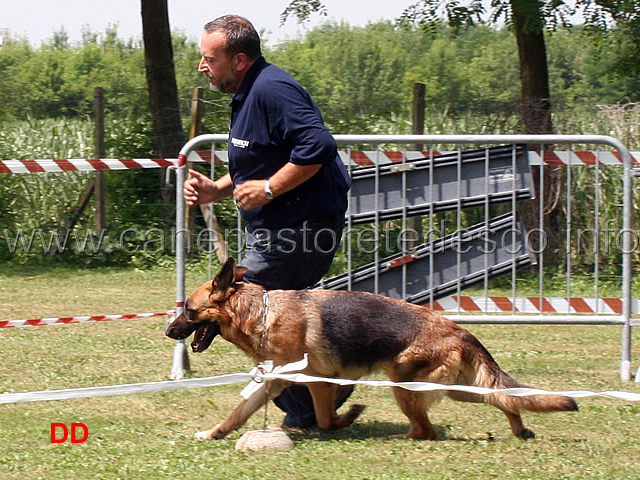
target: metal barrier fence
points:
(468, 200)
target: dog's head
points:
(204, 310)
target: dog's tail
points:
(484, 371)
(489, 377)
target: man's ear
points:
(240, 62)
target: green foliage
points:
(623, 51)
(472, 81)
(37, 205)
(460, 72)
(361, 89)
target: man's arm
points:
(251, 194)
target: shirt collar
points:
(248, 80)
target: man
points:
(284, 174)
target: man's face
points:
(219, 69)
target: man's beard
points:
(219, 86)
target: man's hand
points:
(200, 189)
(250, 194)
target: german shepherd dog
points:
(349, 335)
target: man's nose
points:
(202, 66)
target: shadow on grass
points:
(359, 431)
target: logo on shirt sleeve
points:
(238, 143)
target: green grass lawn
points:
(150, 436)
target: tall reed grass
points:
(45, 200)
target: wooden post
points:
(194, 131)
(206, 209)
(417, 112)
(100, 184)
(417, 128)
(196, 112)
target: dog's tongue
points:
(204, 336)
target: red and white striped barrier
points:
(363, 158)
(603, 306)
(68, 320)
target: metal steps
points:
(444, 266)
(446, 182)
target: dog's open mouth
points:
(204, 336)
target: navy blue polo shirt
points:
(275, 121)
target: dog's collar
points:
(265, 308)
(263, 321)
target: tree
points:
(528, 19)
(163, 90)
(534, 75)
(161, 78)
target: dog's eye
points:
(190, 313)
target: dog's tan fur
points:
(349, 335)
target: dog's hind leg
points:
(415, 406)
(324, 402)
(242, 412)
(503, 403)
(517, 427)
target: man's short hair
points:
(242, 37)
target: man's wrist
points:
(268, 193)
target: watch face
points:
(267, 191)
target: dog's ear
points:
(239, 273)
(228, 276)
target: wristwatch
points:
(267, 190)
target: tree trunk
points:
(536, 114)
(163, 90)
(534, 75)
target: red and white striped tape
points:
(579, 158)
(535, 158)
(604, 306)
(82, 165)
(363, 158)
(68, 320)
(373, 157)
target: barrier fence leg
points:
(179, 355)
(180, 358)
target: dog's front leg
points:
(242, 412)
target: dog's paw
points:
(353, 413)
(346, 419)
(526, 434)
(206, 435)
(215, 433)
